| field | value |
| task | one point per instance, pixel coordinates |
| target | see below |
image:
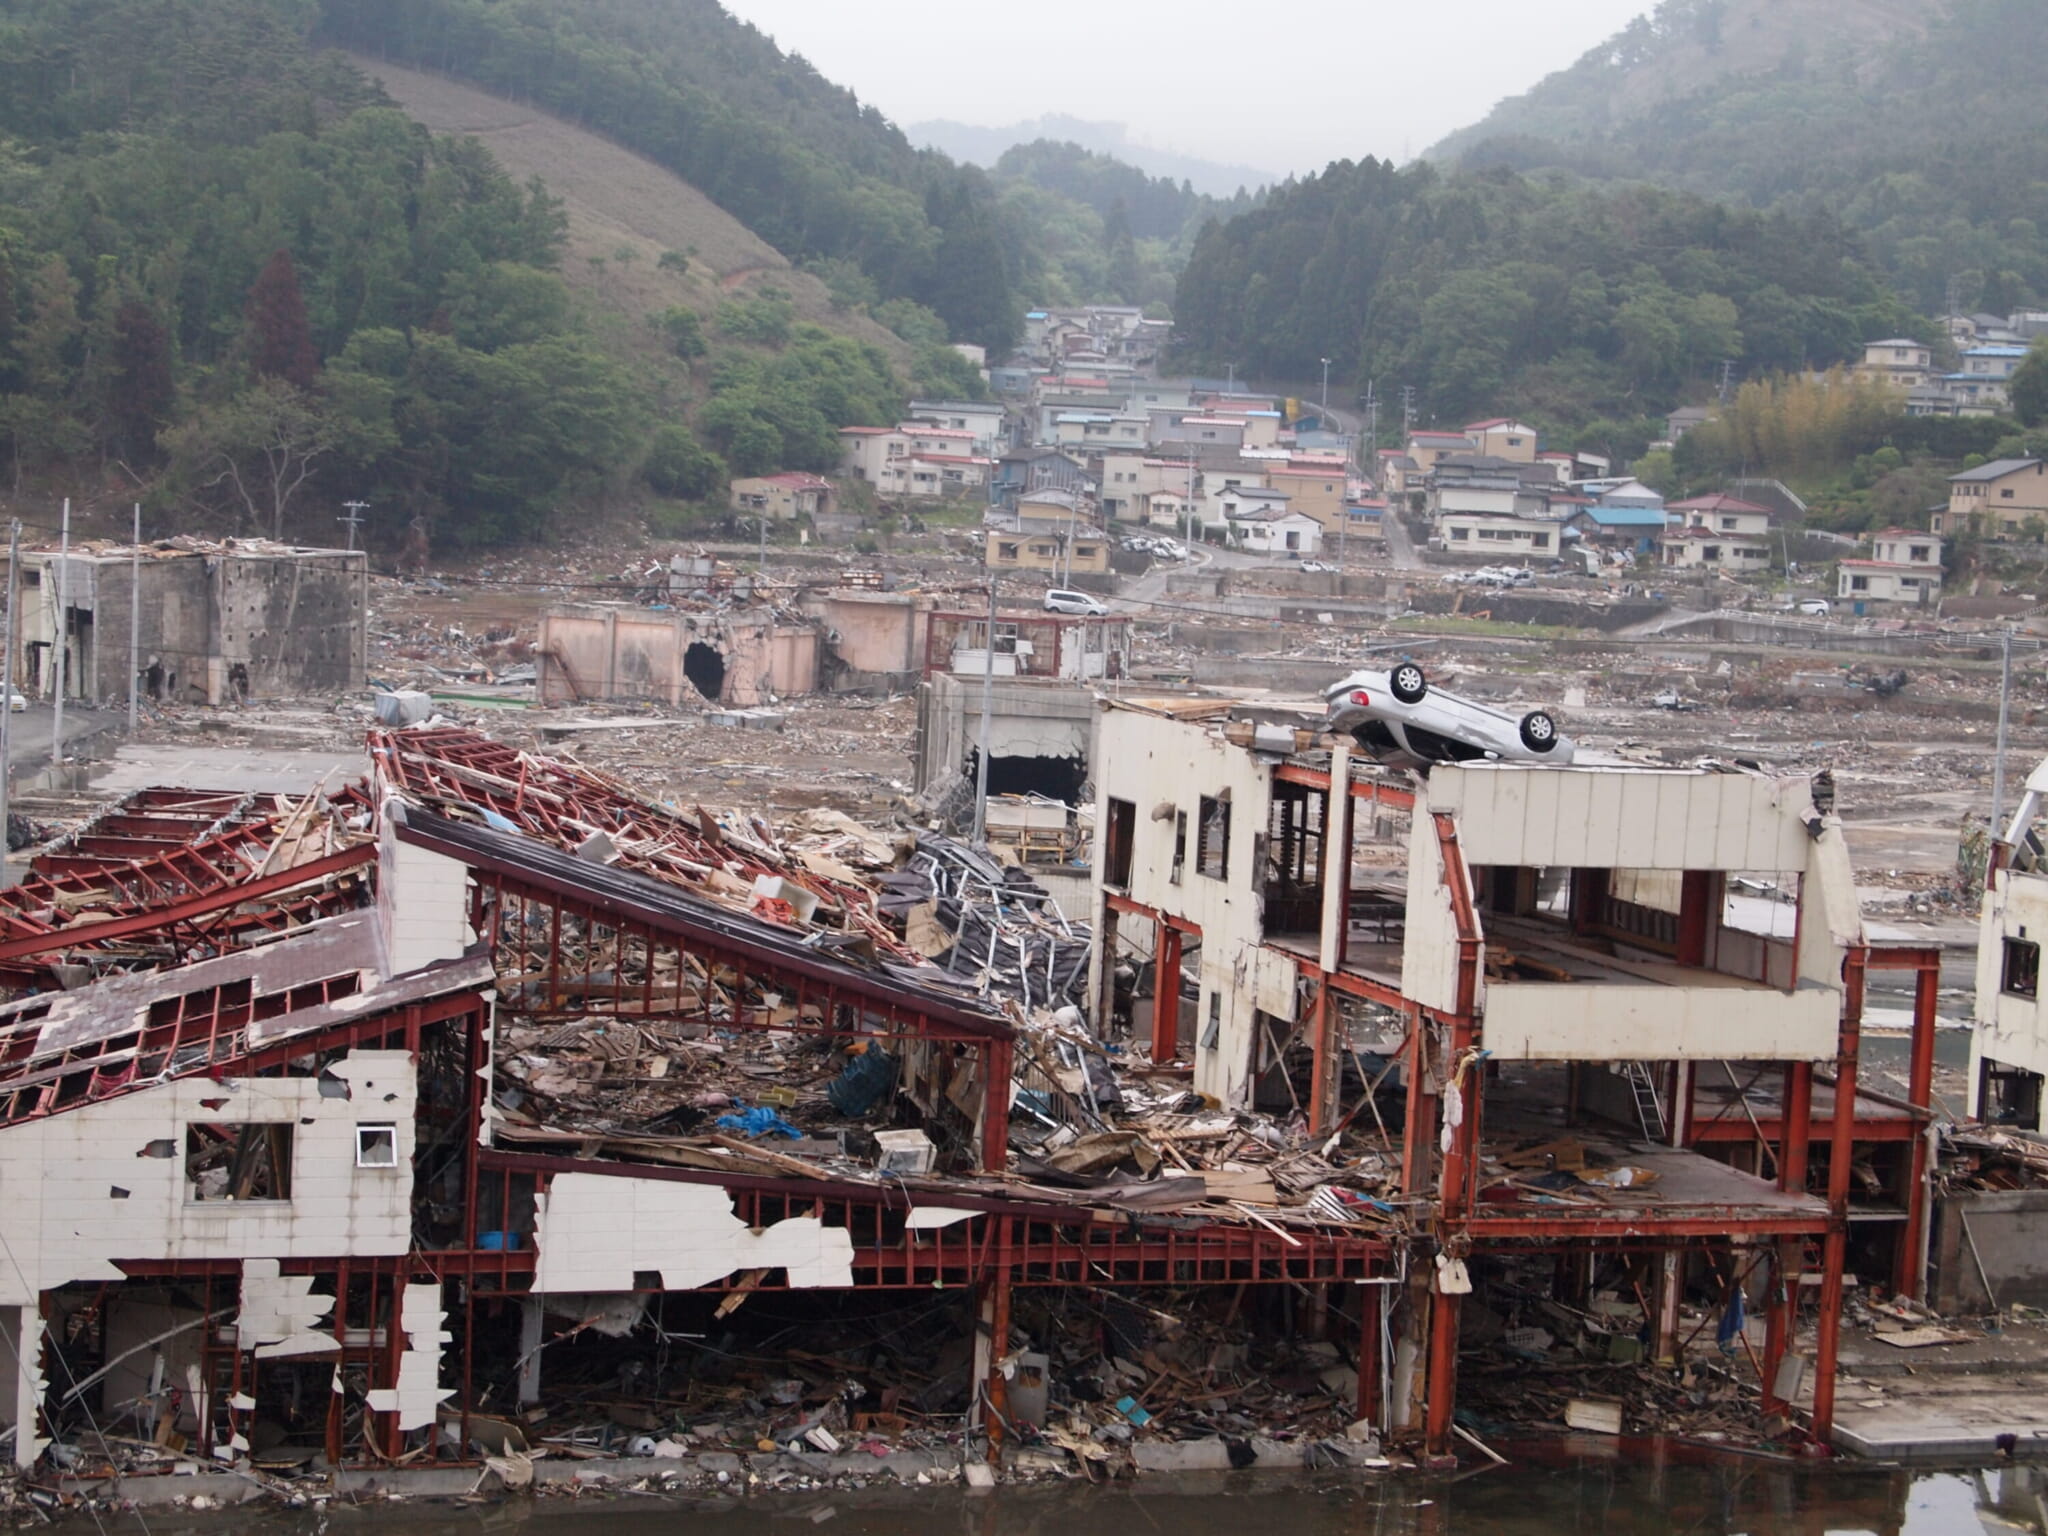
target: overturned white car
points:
(1401, 721)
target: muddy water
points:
(1552, 1495)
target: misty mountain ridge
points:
(984, 146)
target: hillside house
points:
(1723, 514)
(983, 420)
(1277, 530)
(1732, 554)
(782, 497)
(1997, 500)
(1904, 567)
(1503, 438)
(1497, 535)
(1898, 360)
(1635, 529)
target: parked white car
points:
(1401, 721)
(1814, 607)
(16, 703)
(1059, 600)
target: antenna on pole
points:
(356, 509)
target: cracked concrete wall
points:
(93, 1185)
(418, 1396)
(606, 651)
(594, 1231)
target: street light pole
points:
(7, 674)
(134, 615)
(63, 623)
(988, 694)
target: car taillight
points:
(1360, 696)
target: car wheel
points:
(1408, 683)
(1539, 731)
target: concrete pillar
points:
(28, 1386)
(529, 1349)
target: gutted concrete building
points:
(591, 652)
(243, 618)
(1612, 1010)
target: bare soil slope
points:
(619, 202)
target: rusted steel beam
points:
(227, 888)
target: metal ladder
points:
(1649, 1109)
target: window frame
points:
(2024, 979)
(1212, 837)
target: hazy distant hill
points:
(1687, 47)
(985, 146)
(1920, 124)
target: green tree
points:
(141, 388)
(684, 330)
(2029, 387)
(680, 466)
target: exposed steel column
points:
(1166, 993)
(995, 1107)
(1796, 1128)
(1841, 1151)
(1419, 1122)
(1327, 1071)
(1458, 1163)
(999, 1341)
(1907, 1277)
(1695, 915)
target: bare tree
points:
(255, 451)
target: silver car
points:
(1401, 721)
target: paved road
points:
(28, 732)
(1400, 547)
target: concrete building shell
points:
(1565, 943)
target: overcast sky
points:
(1285, 88)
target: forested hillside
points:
(227, 273)
(797, 159)
(1492, 292)
(1089, 228)
(237, 282)
(1920, 126)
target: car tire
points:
(1539, 731)
(1407, 683)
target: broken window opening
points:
(2022, 969)
(1180, 845)
(1118, 842)
(239, 1161)
(705, 669)
(1212, 848)
(2009, 1096)
(1056, 778)
(376, 1146)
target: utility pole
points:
(1230, 378)
(1326, 393)
(2004, 713)
(1727, 378)
(7, 674)
(134, 616)
(1187, 513)
(63, 639)
(356, 509)
(988, 695)
(1407, 413)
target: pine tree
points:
(140, 387)
(280, 339)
